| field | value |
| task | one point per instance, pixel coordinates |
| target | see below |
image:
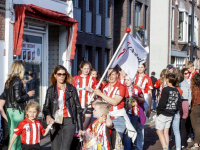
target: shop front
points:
(42, 39)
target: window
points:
(196, 22)
(106, 11)
(96, 58)
(87, 5)
(86, 53)
(137, 14)
(107, 56)
(189, 28)
(172, 23)
(183, 23)
(181, 19)
(97, 6)
(75, 3)
(129, 13)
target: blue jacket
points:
(185, 87)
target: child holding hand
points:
(30, 129)
(98, 134)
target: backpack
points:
(114, 139)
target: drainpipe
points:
(192, 33)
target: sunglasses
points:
(61, 74)
(185, 73)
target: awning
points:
(45, 14)
(178, 53)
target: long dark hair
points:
(53, 80)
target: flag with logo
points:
(130, 55)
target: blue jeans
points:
(127, 142)
(119, 125)
(176, 129)
(146, 107)
(154, 100)
(140, 136)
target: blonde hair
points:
(104, 107)
(17, 70)
(190, 64)
(53, 80)
(32, 104)
(162, 77)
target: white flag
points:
(131, 54)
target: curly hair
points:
(195, 82)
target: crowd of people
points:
(105, 117)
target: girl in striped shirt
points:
(30, 128)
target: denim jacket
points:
(185, 87)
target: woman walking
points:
(62, 101)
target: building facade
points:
(170, 34)
(102, 25)
(46, 40)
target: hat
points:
(169, 66)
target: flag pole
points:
(128, 29)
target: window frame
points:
(185, 25)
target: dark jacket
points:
(71, 101)
(153, 79)
(15, 96)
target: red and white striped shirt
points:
(129, 93)
(30, 131)
(117, 89)
(80, 83)
(190, 75)
(144, 83)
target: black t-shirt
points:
(153, 79)
(170, 101)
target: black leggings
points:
(183, 132)
(62, 134)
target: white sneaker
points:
(189, 140)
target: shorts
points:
(163, 122)
(31, 147)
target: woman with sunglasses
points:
(62, 97)
(186, 101)
(85, 83)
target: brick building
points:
(171, 33)
(102, 25)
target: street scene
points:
(99, 75)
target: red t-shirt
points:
(144, 83)
(117, 89)
(30, 131)
(65, 111)
(129, 93)
(80, 83)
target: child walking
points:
(170, 103)
(97, 136)
(30, 128)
